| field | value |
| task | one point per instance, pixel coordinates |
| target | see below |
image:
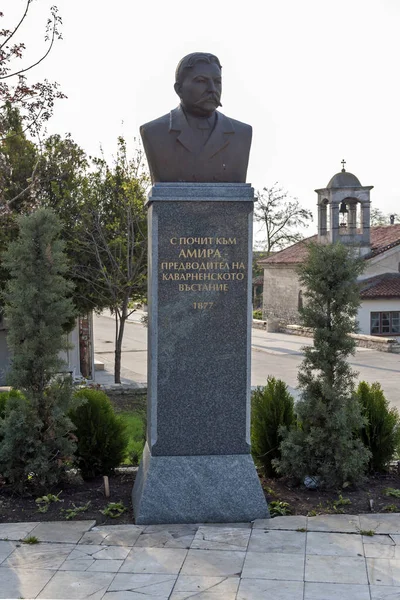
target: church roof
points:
(386, 285)
(344, 179)
(383, 238)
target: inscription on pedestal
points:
(202, 299)
(210, 269)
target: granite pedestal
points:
(197, 465)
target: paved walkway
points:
(286, 558)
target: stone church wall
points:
(282, 294)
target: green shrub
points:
(381, 434)
(135, 423)
(272, 408)
(102, 438)
(35, 448)
(257, 314)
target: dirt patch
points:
(77, 493)
(372, 496)
(301, 501)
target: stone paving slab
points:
(23, 583)
(382, 523)
(62, 531)
(277, 541)
(261, 589)
(16, 531)
(288, 558)
(335, 591)
(289, 522)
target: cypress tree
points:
(326, 443)
(37, 308)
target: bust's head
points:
(198, 83)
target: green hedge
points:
(102, 438)
(272, 408)
(381, 435)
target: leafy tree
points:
(327, 444)
(282, 217)
(63, 176)
(379, 218)
(257, 269)
(34, 101)
(18, 158)
(112, 240)
(37, 308)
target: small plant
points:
(268, 490)
(31, 539)
(272, 412)
(301, 529)
(381, 434)
(44, 502)
(392, 492)
(340, 502)
(102, 439)
(71, 513)
(114, 510)
(390, 508)
(277, 508)
(367, 532)
(257, 314)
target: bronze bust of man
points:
(195, 142)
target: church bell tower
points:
(344, 212)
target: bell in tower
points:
(344, 212)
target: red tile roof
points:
(386, 285)
(383, 237)
(258, 280)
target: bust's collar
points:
(178, 121)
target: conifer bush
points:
(4, 396)
(327, 444)
(272, 408)
(102, 438)
(381, 433)
(37, 441)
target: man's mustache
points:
(212, 97)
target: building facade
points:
(343, 215)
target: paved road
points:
(274, 354)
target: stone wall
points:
(281, 293)
(382, 344)
(126, 396)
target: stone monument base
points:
(197, 489)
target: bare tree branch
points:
(282, 217)
(17, 26)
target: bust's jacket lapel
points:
(178, 123)
(220, 136)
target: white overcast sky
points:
(319, 80)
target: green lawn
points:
(135, 425)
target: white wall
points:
(375, 305)
(71, 357)
(383, 263)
